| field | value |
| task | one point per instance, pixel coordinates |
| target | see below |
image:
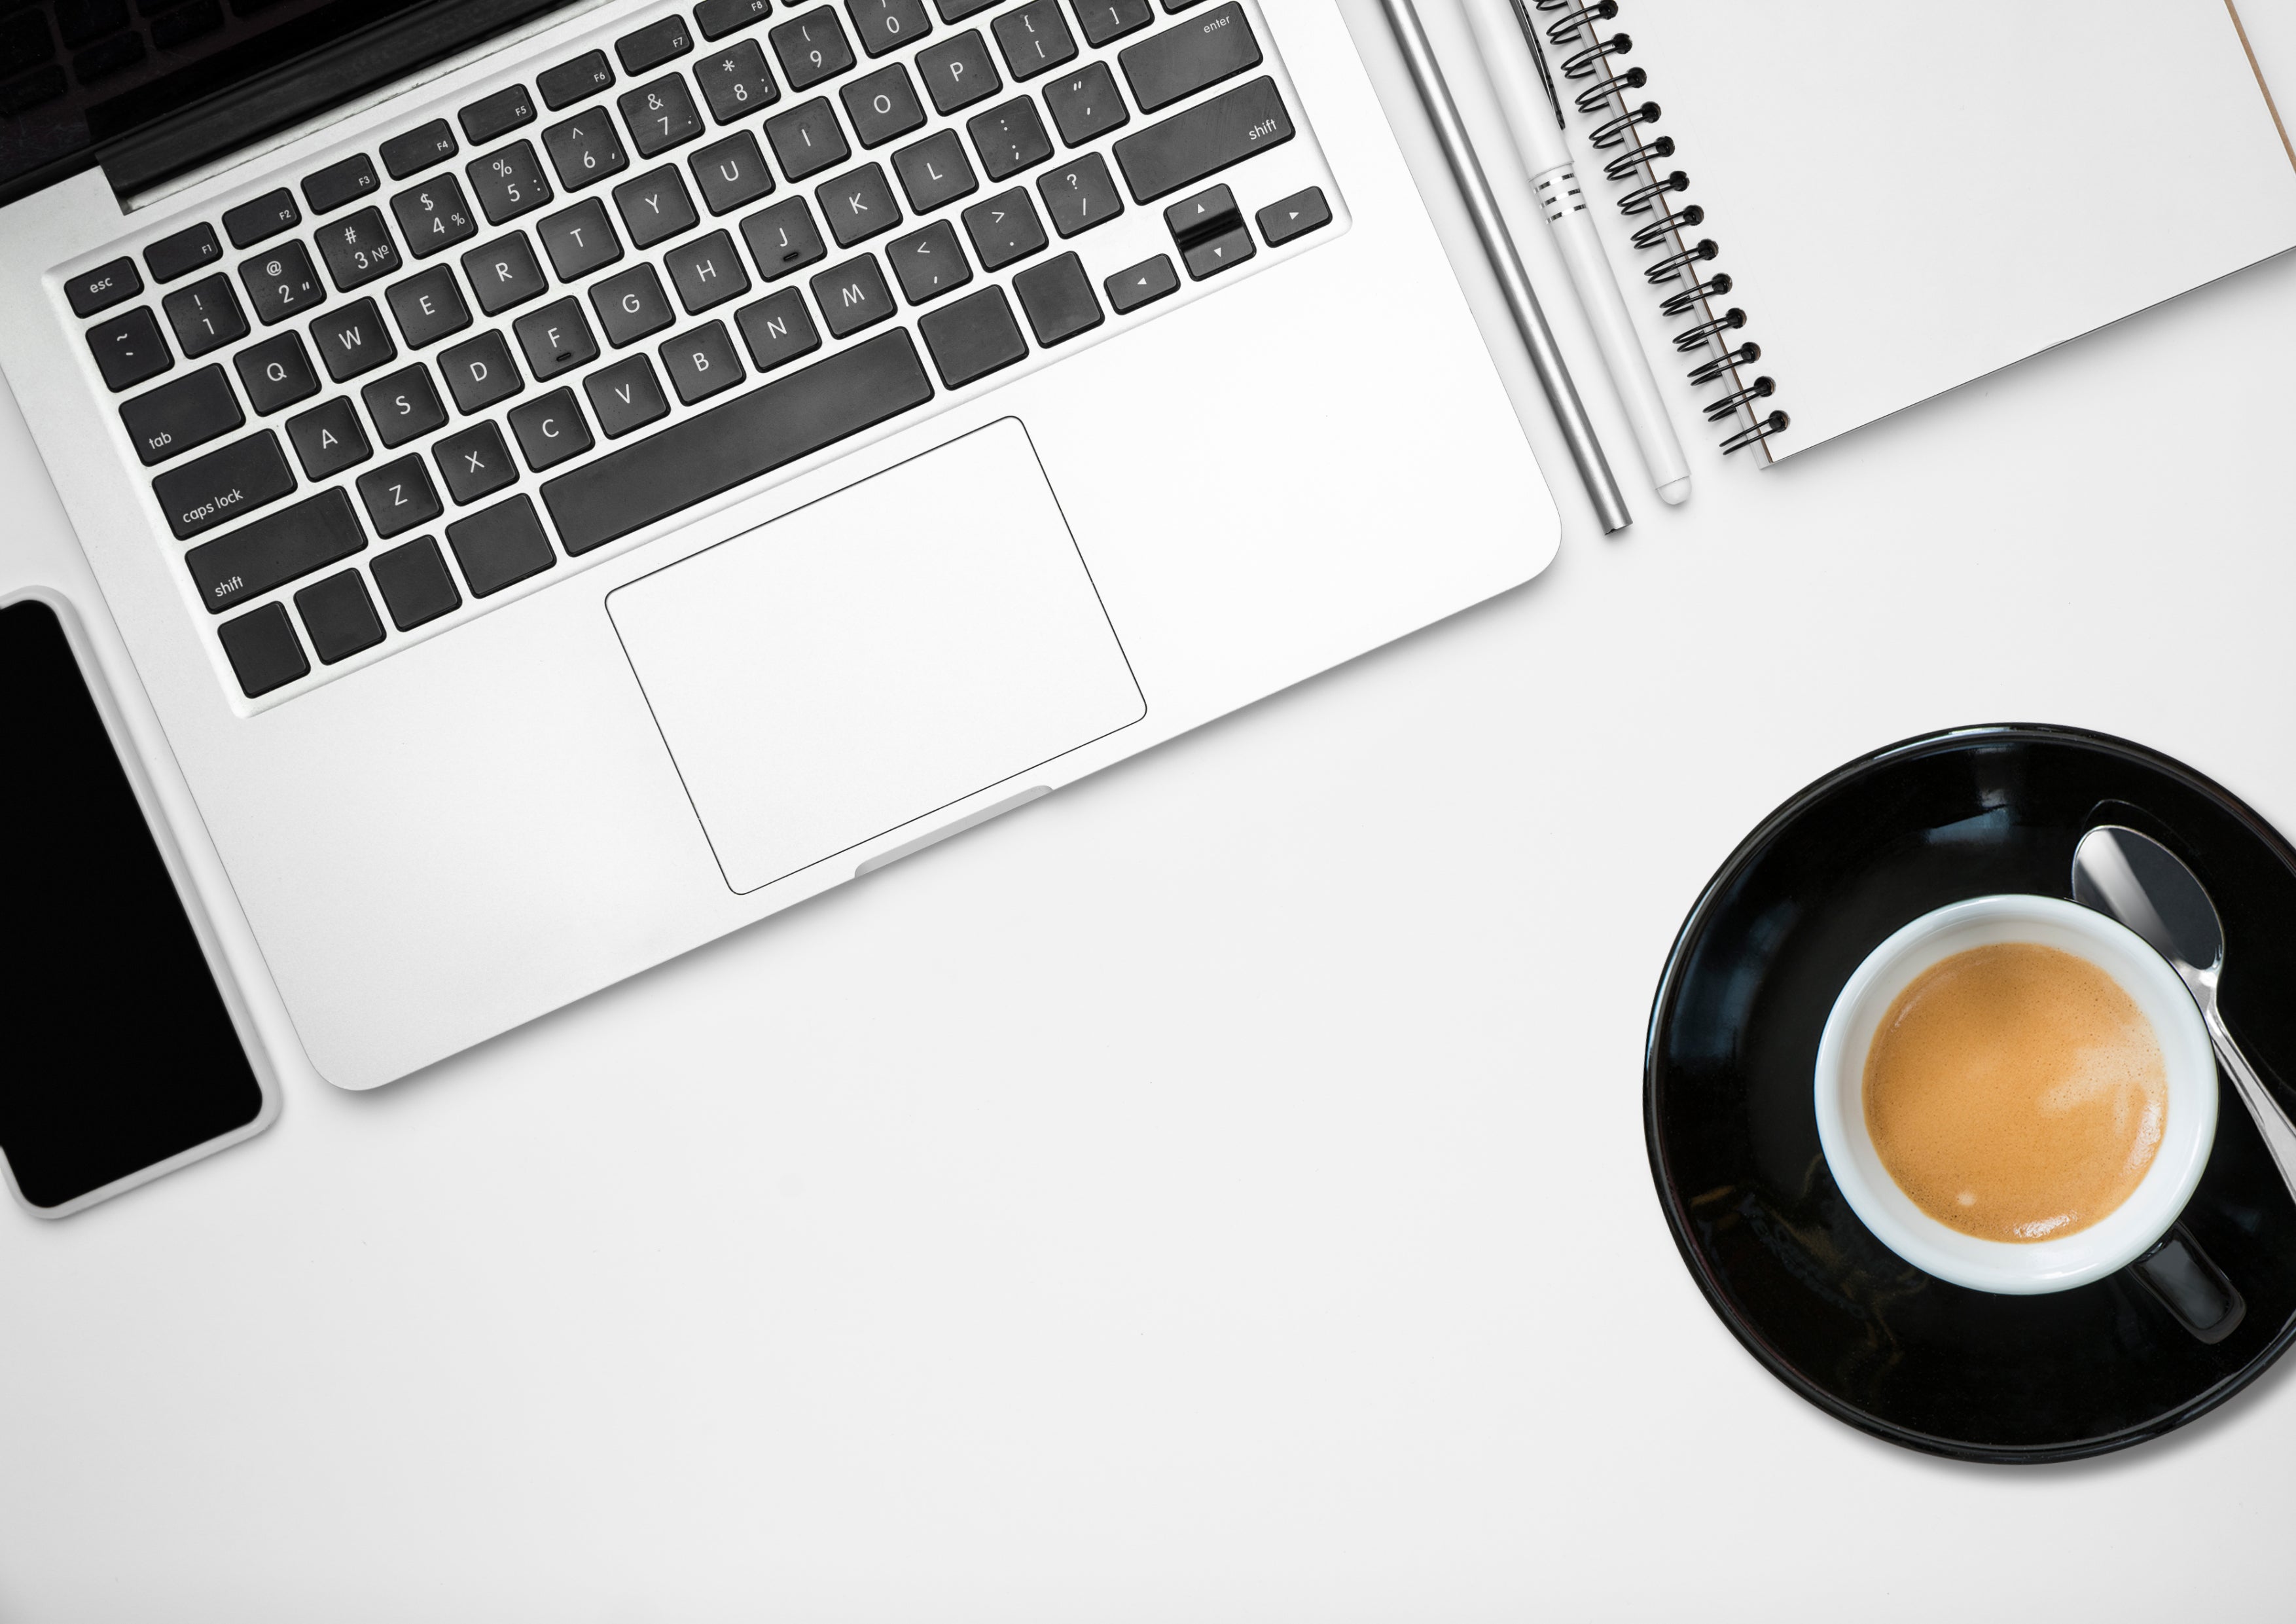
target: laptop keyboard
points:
(506, 338)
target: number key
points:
(206, 316)
(884, 25)
(509, 182)
(812, 48)
(357, 248)
(584, 148)
(736, 82)
(282, 284)
(661, 115)
(434, 216)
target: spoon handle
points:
(2271, 1120)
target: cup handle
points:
(2189, 1284)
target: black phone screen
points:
(121, 1053)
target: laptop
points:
(572, 480)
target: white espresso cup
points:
(2021, 1268)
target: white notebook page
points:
(1908, 196)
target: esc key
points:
(103, 287)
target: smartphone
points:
(128, 1059)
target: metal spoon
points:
(2134, 879)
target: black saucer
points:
(1834, 1313)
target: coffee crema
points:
(2016, 1092)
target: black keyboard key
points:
(1004, 228)
(883, 105)
(569, 82)
(404, 405)
(731, 174)
(353, 340)
(1080, 195)
(206, 316)
(1209, 214)
(753, 434)
(262, 652)
(434, 217)
(655, 207)
(550, 430)
(1035, 38)
(1180, 5)
(474, 463)
(585, 149)
(399, 496)
(852, 295)
(490, 116)
(1009, 138)
(223, 486)
(626, 396)
(328, 438)
(653, 45)
(806, 139)
(264, 219)
(928, 263)
(1213, 255)
(92, 292)
(812, 48)
(702, 363)
(357, 248)
(175, 417)
(276, 373)
(887, 25)
(418, 149)
(282, 284)
(428, 307)
(1057, 299)
(128, 348)
(718, 18)
(341, 185)
(974, 336)
(1085, 104)
(857, 205)
(416, 586)
(661, 115)
(958, 71)
(736, 82)
(1204, 140)
(340, 617)
(505, 273)
(778, 329)
(276, 549)
(1141, 284)
(1103, 21)
(954, 11)
(707, 272)
(935, 171)
(174, 257)
(631, 306)
(508, 183)
(579, 240)
(783, 239)
(501, 546)
(555, 340)
(1294, 216)
(1173, 65)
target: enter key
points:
(1169, 67)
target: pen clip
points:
(1539, 61)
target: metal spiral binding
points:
(1590, 56)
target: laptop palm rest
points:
(867, 660)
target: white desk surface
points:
(1217, 1190)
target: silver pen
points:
(1498, 248)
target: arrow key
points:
(1141, 284)
(1214, 255)
(1294, 217)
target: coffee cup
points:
(2134, 1230)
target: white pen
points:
(1534, 116)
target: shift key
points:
(1204, 140)
(1171, 66)
(276, 549)
(224, 485)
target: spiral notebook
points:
(1844, 209)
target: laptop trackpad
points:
(867, 660)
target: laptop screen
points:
(154, 87)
